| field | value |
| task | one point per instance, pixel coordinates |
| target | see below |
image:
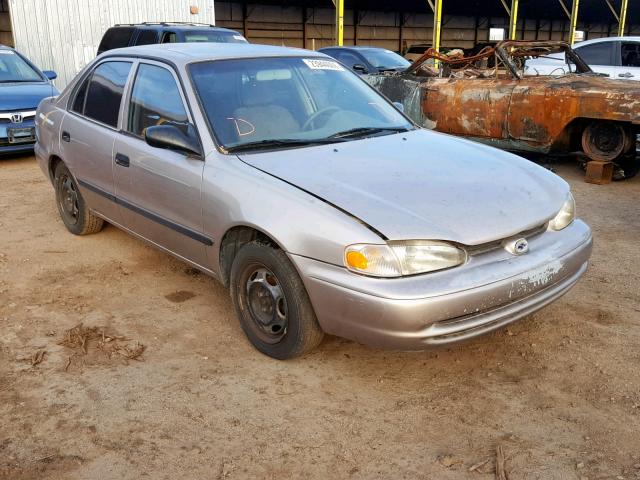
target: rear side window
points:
(155, 100)
(81, 94)
(597, 54)
(630, 54)
(147, 37)
(116, 37)
(104, 92)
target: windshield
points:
(215, 36)
(383, 59)
(13, 68)
(254, 100)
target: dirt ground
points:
(558, 393)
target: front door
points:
(88, 134)
(470, 107)
(159, 190)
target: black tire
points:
(72, 207)
(283, 324)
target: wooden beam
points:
(506, 7)
(613, 10)
(566, 10)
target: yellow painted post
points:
(513, 21)
(623, 18)
(574, 21)
(339, 22)
(437, 26)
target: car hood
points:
(24, 96)
(423, 185)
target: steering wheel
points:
(310, 121)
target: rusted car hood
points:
(423, 185)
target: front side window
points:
(155, 100)
(347, 58)
(13, 68)
(291, 98)
(597, 54)
(104, 92)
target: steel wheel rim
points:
(605, 140)
(266, 304)
(68, 200)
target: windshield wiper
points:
(364, 131)
(281, 142)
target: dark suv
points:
(128, 35)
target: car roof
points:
(184, 53)
(173, 26)
(353, 47)
(605, 39)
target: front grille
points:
(497, 244)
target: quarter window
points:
(169, 37)
(155, 100)
(104, 92)
(630, 54)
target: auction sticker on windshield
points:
(317, 64)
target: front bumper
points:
(7, 147)
(490, 291)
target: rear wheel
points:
(605, 141)
(271, 302)
(73, 210)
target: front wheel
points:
(271, 302)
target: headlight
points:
(565, 216)
(396, 259)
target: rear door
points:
(89, 130)
(629, 60)
(159, 190)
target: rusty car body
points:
(487, 98)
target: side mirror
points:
(360, 68)
(50, 74)
(399, 106)
(172, 138)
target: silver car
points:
(321, 206)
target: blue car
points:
(22, 87)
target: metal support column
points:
(623, 18)
(339, 22)
(513, 20)
(436, 7)
(574, 21)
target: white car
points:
(617, 57)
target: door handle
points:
(626, 75)
(122, 160)
(66, 137)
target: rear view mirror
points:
(50, 74)
(359, 68)
(399, 106)
(172, 138)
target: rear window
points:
(115, 37)
(215, 36)
(104, 92)
(147, 37)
